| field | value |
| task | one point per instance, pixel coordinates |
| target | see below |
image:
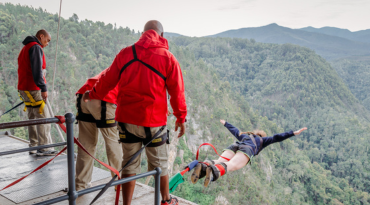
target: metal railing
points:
(72, 194)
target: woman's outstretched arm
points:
(235, 131)
(280, 137)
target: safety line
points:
(56, 51)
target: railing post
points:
(70, 118)
(157, 180)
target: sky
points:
(207, 17)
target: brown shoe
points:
(208, 176)
(198, 173)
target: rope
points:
(209, 144)
(56, 51)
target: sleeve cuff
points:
(291, 133)
(44, 89)
(183, 120)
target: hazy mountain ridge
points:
(361, 36)
(329, 47)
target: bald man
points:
(33, 89)
(143, 73)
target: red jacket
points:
(142, 96)
(111, 97)
(31, 62)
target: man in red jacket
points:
(143, 73)
(33, 90)
(92, 116)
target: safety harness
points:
(33, 103)
(255, 144)
(146, 65)
(102, 123)
(127, 137)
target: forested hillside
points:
(294, 87)
(252, 85)
(355, 71)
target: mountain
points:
(250, 84)
(294, 87)
(361, 36)
(169, 34)
(330, 47)
(355, 71)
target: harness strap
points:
(103, 110)
(80, 116)
(146, 65)
(102, 123)
(255, 144)
(261, 144)
(209, 144)
(33, 103)
(127, 137)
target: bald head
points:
(44, 37)
(42, 32)
(154, 25)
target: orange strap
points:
(213, 149)
(184, 171)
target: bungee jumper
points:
(92, 116)
(237, 155)
(32, 88)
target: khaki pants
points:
(88, 136)
(157, 156)
(38, 134)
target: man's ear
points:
(162, 34)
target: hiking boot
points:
(198, 173)
(171, 201)
(46, 153)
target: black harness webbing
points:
(146, 65)
(102, 123)
(128, 163)
(127, 137)
(255, 144)
(80, 116)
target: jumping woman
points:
(249, 144)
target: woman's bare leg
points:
(227, 153)
(237, 162)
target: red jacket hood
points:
(151, 39)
